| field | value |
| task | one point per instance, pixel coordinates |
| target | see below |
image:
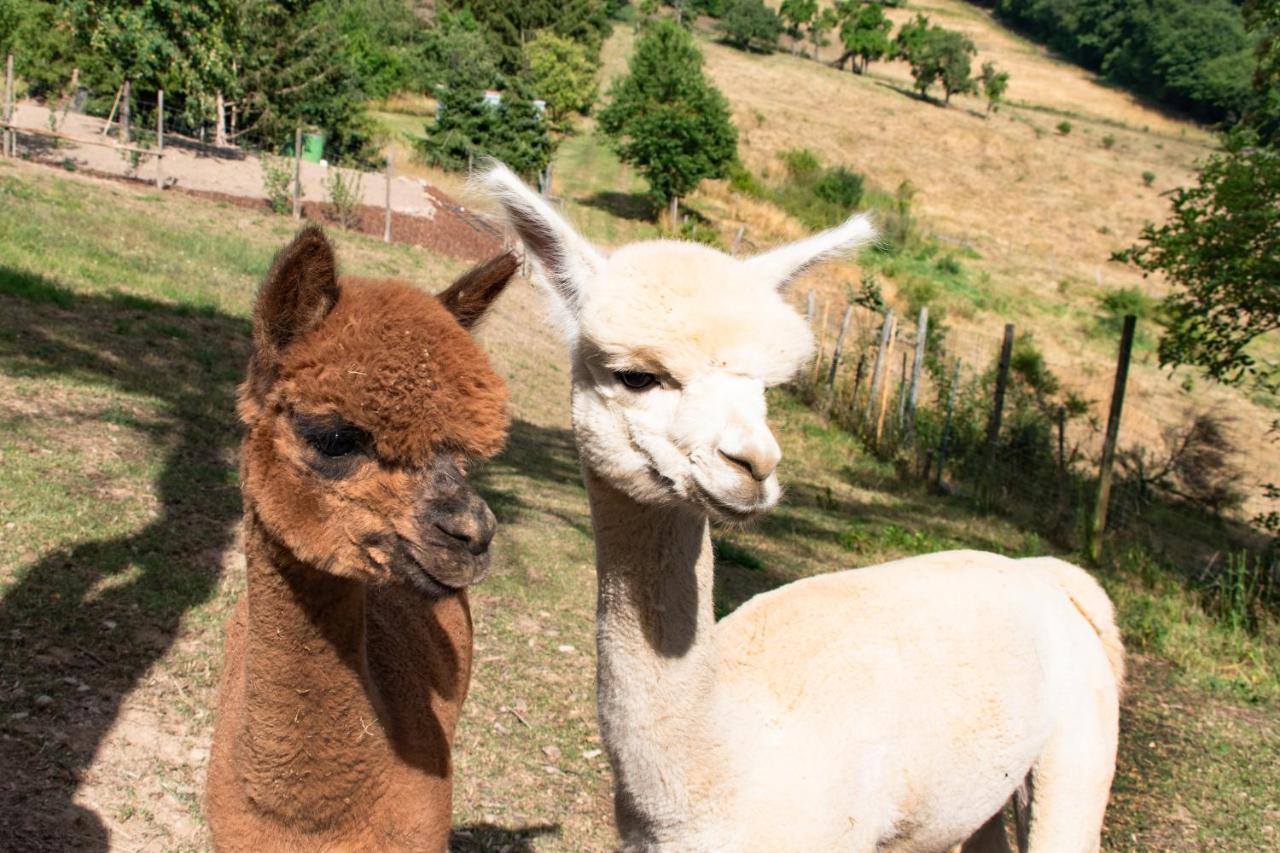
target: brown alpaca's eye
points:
(337, 442)
(635, 380)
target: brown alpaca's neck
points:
(657, 653)
(311, 744)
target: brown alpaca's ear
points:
(298, 294)
(468, 298)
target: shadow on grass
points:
(545, 455)
(633, 206)
(487, 838)
(81, 624)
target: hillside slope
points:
(1043, 210)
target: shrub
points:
(801, 164)
(741, 180)
(840, 186)
(1115, 304)
(277, 183)
(1148, 178)
(1109, 141)
(1064, 127)
(345, 195)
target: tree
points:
(667, 119)
(911, 37)
(515, 24)
(1221, 246)
(942, 56)
(797, 15)
(456, 48)
(468, 127)
(994, 84)
(561, 73)
(865, 35)
(750, 23)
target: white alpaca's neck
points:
(657, 657)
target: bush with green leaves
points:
(994, 85)
(1064, 127)
(277, 183)
(841, 187)
(667, 119)
(561, 73)
(346, 194)
(751, 25)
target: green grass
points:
(123, 333)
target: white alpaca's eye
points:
(635, 380)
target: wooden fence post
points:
(902, 393)
(1062, 440)
(877, 372)
(943, 444)
(220, 120)
(997, 407)
(884, 388)
(111, 115)
(913, 396)
(857, 381)
(822, 344)
(835, 356)
(808, 313)
(297, 172)
(386, 224)
(1099, 525)
(737, 240)
(71, 96)
(10, 146)
(160, 139)
(125, 113)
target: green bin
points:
(313, 147)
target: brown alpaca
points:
(349, 656)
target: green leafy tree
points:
(468, 127)
(1194, 55)
(457, 48)
(823, 23)
(798, 17)
(911, 37)
(667, 119)
(513, 25)
(865, 35)
(561, 73)
(994, 84)
(1221, 248)
(751, 24)
(943, 57)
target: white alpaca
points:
(896, 707)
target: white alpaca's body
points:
(895, 707)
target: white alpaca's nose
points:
(757, 452)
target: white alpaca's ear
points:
(565, 259)
(781, 266)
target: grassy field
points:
(121, 340)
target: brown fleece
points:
(349, 655)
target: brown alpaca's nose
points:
(473, 527)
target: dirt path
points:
(421, 215)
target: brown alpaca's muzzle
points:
(454, 527)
